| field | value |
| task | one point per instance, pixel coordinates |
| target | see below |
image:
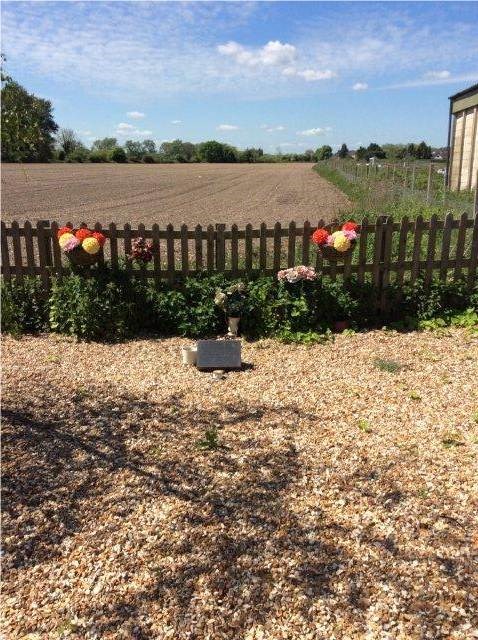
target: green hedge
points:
(110, 306)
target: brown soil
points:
(194, 194)
(340, 502)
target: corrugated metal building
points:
(463, 139)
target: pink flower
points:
(71, 244)
(350, 234)
(330, 241)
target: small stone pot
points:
(233, 326)
(189, 355)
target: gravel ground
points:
(341, 503)
(194, 194)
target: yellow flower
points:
(90, 245)
(63, 239)
(341, 242)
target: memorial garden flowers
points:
(81, 245)
(232, 299)
(141, 251)
(340, 241)
(296, 274)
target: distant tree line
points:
(410, 151)
(30, 134)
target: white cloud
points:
(272, 129)
(316, 131)
(437, 75)
(430, 81)
(227, 127)
(125, 126)
(309, 75)
(360, 86)
(176, 121)
(126, 129)
(274, 53)
(85, 133)
(135, 115)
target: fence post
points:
(47, 242)
(475, 206)
(220, 248)
(429, 183)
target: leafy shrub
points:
(99, 156)
(118, 154)
(24, 306)
(110, 306)
(96, 308)
(61, 155)
(148, 159)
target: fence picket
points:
(432, 235)
(113, 245)
(248, 246)
(277, 246)
(29, 256)
(460, 245)
(170, 252)
(319, 261)
(184, 250)
(198, 246)
(291, 245)
(445, 247)
(30, 253)
(474, 253)
(210, 248)
(17, 251)
(142, 266)
(156, 253)
(263, 247)
(417, 246)
(5, 254)
(56, 248)
(306, 243)
(234, 250)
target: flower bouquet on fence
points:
(338, 244)
(141, 251)
(232, 302)
(83, 246)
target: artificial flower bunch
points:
(232, 300)
(341, 240)
(142, 250)
(296, 274)
(71, 240)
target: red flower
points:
(100, 237)
(320, 236)
(63, 230)
(81, 234)
(350, 226)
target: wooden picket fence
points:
(386, 251)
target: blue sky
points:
(293, 75)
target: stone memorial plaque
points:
(219, 354)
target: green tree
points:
(67, 140)
(105, 144)
(375, 150)
(324, 153)
(411, 151)
(118, 155)
(343, 152)
(149, 146)
(250, 155)
(361, 153)
(178, 151)
(27, 124)
(134, 149)
(213, 151)
(424, 152)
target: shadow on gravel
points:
(104, 454)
